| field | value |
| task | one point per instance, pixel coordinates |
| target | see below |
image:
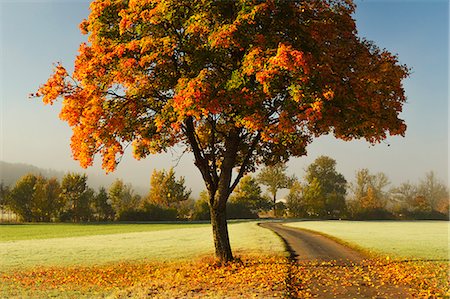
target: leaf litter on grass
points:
(372, 278)
(247, 277)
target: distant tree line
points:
(35, 198)
(326, 194)
(323, 193)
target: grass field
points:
(23, 246)
(426, 240)
(35, 231)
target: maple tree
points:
(239, 83)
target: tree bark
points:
(220, 234)
(218, 184)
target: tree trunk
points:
(220, 233)
(218, 183)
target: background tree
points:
(201, 207)
(76, 196)
(329, 188)
(429, 199)
(248, 193)
(35, 198)
(369, 198)
(47, 204)
(122, 198)
(166, 190)
(311, 193)
(401, 197)
(275, 178)
(434, 192)
(185, 209)
(101, 206)
(238, 83)
(295, 201)
(4, 190)
(21, 197)
(4, 202)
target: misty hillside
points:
(11, 172)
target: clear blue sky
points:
(35, 34)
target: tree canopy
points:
(238, 83)
(275, 178)
(325, 188)
(166, 190)
(248, 192)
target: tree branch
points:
(212, 145)
(246, 161)
(229, 160)
(200, 160)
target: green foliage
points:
(201, 207)
(239, 210)
(332, 186)
(48, 204)
(312, 193)
(122, 198)
(101, 206)
(295, 201)
(323, 194)
(76, 196)
(245, 203)
(248, 194)
(280, 210)
(149, 212)
(275, 178)
(21, 197)
(166, 190)
(34, 198)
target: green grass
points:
(166, 242)
(427, 240)
(35, 231)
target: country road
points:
(308, 246)
(326, 269)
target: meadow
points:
(35, 231)
(166, 260)
(24, 246)
(419, 240)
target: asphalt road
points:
(308, 246)
(345, 276)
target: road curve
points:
(307, 246)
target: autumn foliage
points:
(238, 83)
(256, 277)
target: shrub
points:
(150, 212)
